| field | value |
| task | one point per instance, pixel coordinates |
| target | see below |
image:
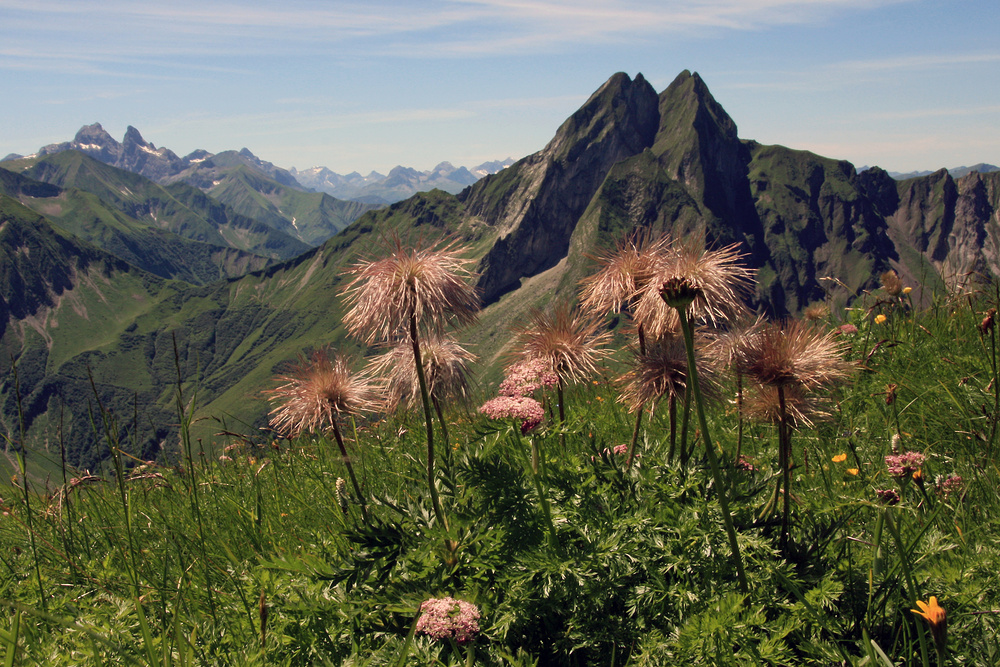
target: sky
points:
(360, 86)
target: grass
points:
(247, 558)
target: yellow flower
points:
(935, 616)
(907, 290)
(839, 458)
(852, 471)
(880, 318)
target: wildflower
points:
(907, 289)
(948, 485)
(792, 354)
(986, 325)
(890, 393)
(852, 471)
(342, 497)
(887, 496)
(622, 274)
(839, 458)
(847, 329)
(447, 618)
(880, 318)
(936, 617)
(315, 394)
(743, 463)
(316, 391)
(428, 285)
(815, 312)
(524, 408)
(409, 290)
(790, 361)
(566, 343)
(525, 377)
(894, 443)
(904, 465)
(446, 370)
(712, 286)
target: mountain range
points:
(206, 170)
(82, 322)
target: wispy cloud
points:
(111, 28)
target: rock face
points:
(813, 227)
(534, 204)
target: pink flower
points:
(525, 377)
(904, 465)
(887, 496)
(949, 485)
(444, 618)
(525, 408)
(847, 329)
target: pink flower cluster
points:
(847, 329)
(444, 618)
(743, 463)
(903, 465)
(525, 377)
(949, 485)
(525, 408)
(619, 450)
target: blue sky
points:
(904, 84)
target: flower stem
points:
(350, 470)
(428, 421)
(713, 460)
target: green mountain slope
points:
(179, 209)
(311, 217)
(151, 248)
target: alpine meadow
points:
(652, 395)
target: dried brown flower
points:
(763, 404)
(431, 284)
(663, 372)
(816, 312)
(316, 391)
(891, 283)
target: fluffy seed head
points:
(567, 343)
(446, 370)
(622, 274)
(715, 281)
(792, 354)
(316, 391)
(433, 284)
(802, 408)
(663, 372)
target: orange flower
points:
(839, 458)
(935, 616)
(852, 471)
(880, 318)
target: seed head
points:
(565, 342)
(711, 284)
(433, 284)
(622, 274)
(792, 354)
(316, 391)
(446, 370)
(663, 372)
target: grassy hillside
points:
(251, 556)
